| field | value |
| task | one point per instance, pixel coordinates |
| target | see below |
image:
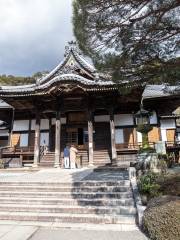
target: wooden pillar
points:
(90, 139)
(50, 134)
(11, 128)
(37, 141)
(58, 140)
(29, 133)
(113, 143)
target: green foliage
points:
(148, 185)
(144, 128)
(16, 80)
(146, 150)
(12, 80)
(131, 40)
(161, 219)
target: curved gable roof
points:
(73, 69)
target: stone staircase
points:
(102, 157)
(47, 160)
(92, 202)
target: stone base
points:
(148, 161)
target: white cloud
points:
(33, 34)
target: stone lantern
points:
(143, 125)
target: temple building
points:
(76, 105)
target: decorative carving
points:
(72, 45)
(67, 69)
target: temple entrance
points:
(77, 136)
(80, 136)
(76, 129)
(102, 137)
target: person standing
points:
(73, 153)
(66, 157)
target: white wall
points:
(4, 133)
(33, 123)
(153, 118)
(44, 139)
(63, 121)
(21, 125)
(163, 135)
(23, 140)
(168, 124)
(44, 125)
(123, 120)
(119, 136)
(139, 137)
(102, 118)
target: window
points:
(24, 140)
(44, 140)
(119, 136)
(72, 137)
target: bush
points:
(170, 184)
(169, 159)
(161, 219)
(148, 185)
(146, 150)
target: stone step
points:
(71, 195)
(68, 218)
(65, 189)
(69, 184)
(68, 209)
(129, 202)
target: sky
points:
(33, 35)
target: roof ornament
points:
(72, 46)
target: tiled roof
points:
(156, 91)
(4, 104)
(65, 73)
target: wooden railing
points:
(173, 144)
(120, 147)
(17, 150)
(132, 146)
(137, 146)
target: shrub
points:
(170, 184)
(148, 185)
(161, 219)
(168, 158)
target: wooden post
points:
(37, 141)
(113, 143)
(29, 133)
(50, 135)
(11, 128)
(58, 140)
(90, 139)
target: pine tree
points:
(134, 40)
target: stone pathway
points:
(107, 176)
(46, 175)
(19, 231)
(65, 234)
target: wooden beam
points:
(58, 140)
(37, 141)
(90, 139)
(112, 130)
